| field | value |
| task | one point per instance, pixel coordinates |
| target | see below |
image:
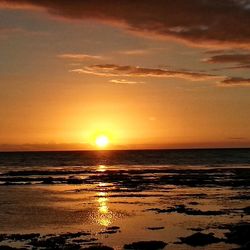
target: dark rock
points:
(74, 181)
(145, 245)
(155, 228)
(182, 209)
(99, 248)
(23, 237)
(3, 237)
(74, 235)
(193, 203)
(84, 240)
(11, 248)
(113, 228)
(110, 230)
(71, 247)
(51, 243)
(239, 234)
(200, 239)
(48, 180)
(197, 229)
(247, 210)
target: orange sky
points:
(159, 74)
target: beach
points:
(125, 206)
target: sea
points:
(116, 198)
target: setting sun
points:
(102, 141)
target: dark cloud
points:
(236, 81)
(241, 61)
(230, 58)
(200, 22)
(128, 70)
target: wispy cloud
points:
(198, 22)
(240, 59)
(7, 32)
(235, 81)
(123, 81)
(80, 57)
(133, 71)
(135, 52)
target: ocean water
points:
(120, 197)
(205, 157)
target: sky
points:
(146, 74)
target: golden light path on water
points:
(105, 216)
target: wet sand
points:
(125, 207)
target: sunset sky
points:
(146, 74)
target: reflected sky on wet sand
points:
(131, 200)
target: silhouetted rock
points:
(197, 229)
(145, 245)
(110, 230)
(200, 239)
(74, 181)
(2, 237)
(193, 203)
(51, 243)
(113, 228)
(155, 228)
(239, 234)
(182, 209)
(247, 210)
(74, 235)
(23, 237)
(48, 180)
(98, 248)
(84, 240)
(11, 248)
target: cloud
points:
(230, 58)
(7, 32)
(198, 22)
(123, 81)
(80, 57)
(237, 138)
(135, 52)
(128, 70)
(241, 61)
(235, 81)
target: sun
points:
(102, 141)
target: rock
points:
(197, 229)
(48, 180)
(98, 248)
(155, 228)
(110, 230)
(23, 237)
(11, 248)
(113, 228)
(200, 239)
(145, 245)
(193, 203)
(182, 209)
(239, 234)
(3, 237)
(247, 210)
(74, 181)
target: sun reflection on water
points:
(101, 168)
(104, 216)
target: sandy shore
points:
(123, 207)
